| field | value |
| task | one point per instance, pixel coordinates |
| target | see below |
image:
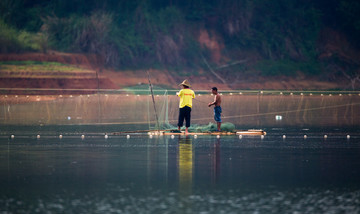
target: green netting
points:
(228, 127)
(211, 127)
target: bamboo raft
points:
(242, 132)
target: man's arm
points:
(179, 93)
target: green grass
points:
(36, 66)
(30, 63)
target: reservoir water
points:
(182, 175)
(293, 169)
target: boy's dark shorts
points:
(217, 114)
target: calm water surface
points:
(182, 175)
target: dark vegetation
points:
(277, 37)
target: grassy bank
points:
(38, 69)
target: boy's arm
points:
(213, 103)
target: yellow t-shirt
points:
(186, 96)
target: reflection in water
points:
(185, 158)
(165, 175)
(215, 169)
(157, 160)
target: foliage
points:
(287, 67)
(22, 14)
(8, 43)
(163, 33)
(146, 38)
(349, 12)
(276, 29)
(12, 40)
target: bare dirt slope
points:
(110, 79)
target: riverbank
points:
(75, 71)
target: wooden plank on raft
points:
(168, 132)
(251, 132)
(244, 132)
(199, 133)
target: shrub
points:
(287, 67)
(8, 39)
(14, 41)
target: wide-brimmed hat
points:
(186, 83)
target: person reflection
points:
(215, 169)
(185, 164)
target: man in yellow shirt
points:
(186, 95)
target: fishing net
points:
(133, 109)
(228, 127)
(162, 111)
(211, 127)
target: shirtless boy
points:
(217, 107)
